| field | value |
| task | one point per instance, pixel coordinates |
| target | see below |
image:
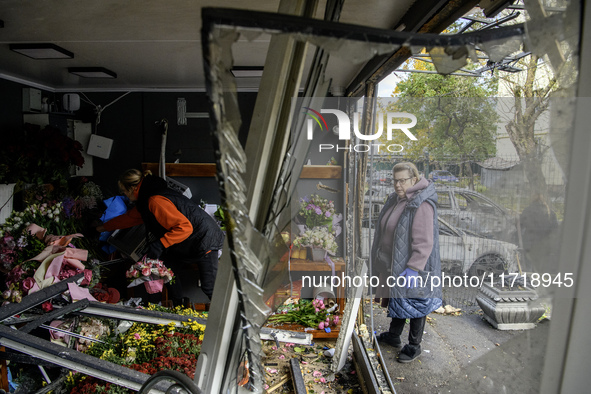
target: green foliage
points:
(456, 116)
(221, 218)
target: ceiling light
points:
(42, 51)
(92, 72)
(247, 71)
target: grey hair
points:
(407, 166)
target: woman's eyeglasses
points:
(401, 181)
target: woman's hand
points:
(411, 278)
(155, 249)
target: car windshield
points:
(446, 229)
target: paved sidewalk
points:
(465, 354)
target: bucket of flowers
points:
(318, 225)
(320, 240)
(151, 272)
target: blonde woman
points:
(406, 248)
(185, 233)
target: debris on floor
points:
(448, 310)
(314, 360)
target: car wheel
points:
(486, 265)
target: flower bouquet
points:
(318, 237)
(316, 211)
(307, 313)
(32, 260)
(151, 272)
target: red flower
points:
(46, 306)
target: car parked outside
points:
(464, 252)
(377, 196)
(442, 176)
(473, 211)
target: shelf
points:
(321, 172)
(334, 332)
(208, 170)
(197, 170)
(317, 266)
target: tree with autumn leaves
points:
(456, 116)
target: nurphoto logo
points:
(390, 119)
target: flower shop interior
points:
(226, 104)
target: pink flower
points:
(146, 271)
(281, 357)
(317, 374)
(322, 380)
(28, 284)
(317, 310)
(14, 275)
(336, 320)
(137, 336)
(321, 325)
(87, 277)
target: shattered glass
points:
(449, 59)
(499, 50)
(261, 259)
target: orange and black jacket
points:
(183, 227)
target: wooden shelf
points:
(208, 170)
(317, 266)
(196, 170)
(321, 172)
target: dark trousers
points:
(415, 333)
(208, 269)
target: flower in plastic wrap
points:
(148, 270)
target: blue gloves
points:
(412, 277)
(155, 249)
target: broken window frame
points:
(249, 277)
